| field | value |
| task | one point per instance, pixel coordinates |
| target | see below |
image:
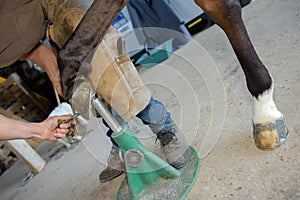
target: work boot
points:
(175, 147)
(115, 166)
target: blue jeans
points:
(154, 115)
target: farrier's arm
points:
(45, 58)
(46, 130)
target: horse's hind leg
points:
(269, 130)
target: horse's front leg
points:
(269, 130)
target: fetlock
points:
(175, 147)
(115, 166)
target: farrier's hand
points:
(45, 58)
(50, 130)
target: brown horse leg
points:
(269, 130)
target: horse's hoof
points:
(271, 135)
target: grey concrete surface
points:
(203, 87)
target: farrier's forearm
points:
(16, 129)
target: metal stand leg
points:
(106, 115)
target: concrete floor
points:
(203, 87)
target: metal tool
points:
(27, 178)
(67, 120)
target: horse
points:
(268, 126)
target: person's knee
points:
(154, 113)
(157, 113)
